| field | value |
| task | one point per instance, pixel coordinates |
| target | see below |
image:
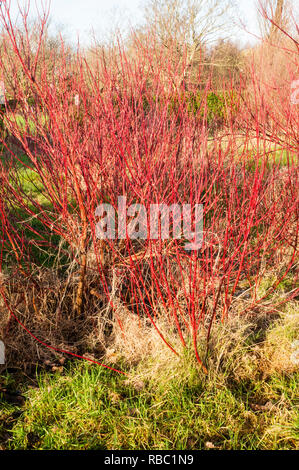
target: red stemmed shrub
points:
(95, 132)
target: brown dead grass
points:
(258, 345)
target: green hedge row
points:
(214, 107)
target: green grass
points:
(249, 400)
(275, 156)
(24, 125)
(88, 407)
(30, 182)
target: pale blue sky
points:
(80, 17)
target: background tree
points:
(185, 28)
(276, 16)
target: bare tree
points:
(275, 16)
(193, 21)
(186, 27)
(278, 18)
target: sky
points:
(82, 18)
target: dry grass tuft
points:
(240, 349)
(279, 349)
